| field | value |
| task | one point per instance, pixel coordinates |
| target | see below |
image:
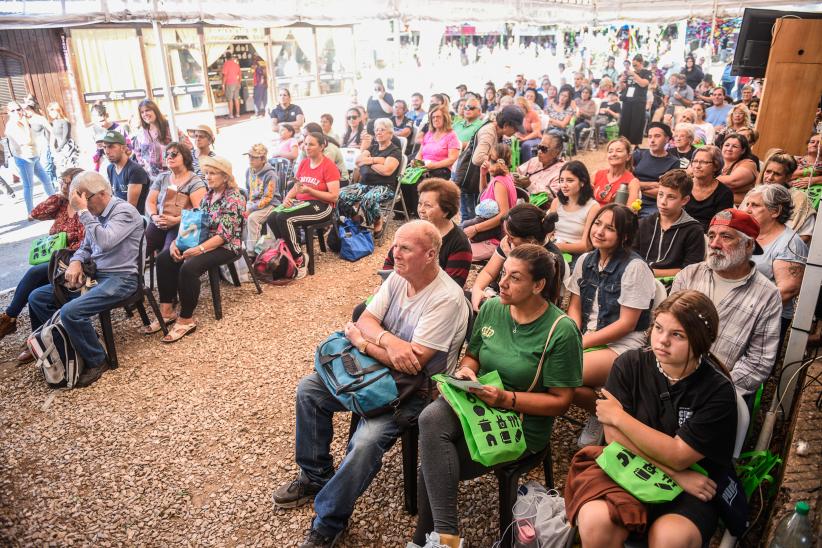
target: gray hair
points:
(687, 128)
(775, 198)
(90, 182)
(384, 123)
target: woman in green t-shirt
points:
(509, 337)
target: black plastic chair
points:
(135, 300)
(214, 280)
(311, 231)
(508, 476)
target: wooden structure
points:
(32, 61)
(793, 86)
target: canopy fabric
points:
(256, 13)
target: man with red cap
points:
(748, 303)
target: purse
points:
(174, 201)
(356, 242)
(42, 248)
(194, 224)
(493, 436)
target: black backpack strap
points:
(669, 419)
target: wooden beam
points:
(793, 85)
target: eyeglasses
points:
(171, 155)
(701, 162)
(543, 148)
(257, 157)
(352, 117)
(202, 136)
(466, 107)
(15, 110)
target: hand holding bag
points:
(493, 436)
(194, 224)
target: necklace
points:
(671, 377)
(516, 325)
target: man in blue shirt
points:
(129, 181)
(114, 229)
(717, 115)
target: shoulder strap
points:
(544, 350)
(669, 419)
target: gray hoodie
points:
(262, 188)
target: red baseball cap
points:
(741, 221)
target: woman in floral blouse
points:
(57, 208)
(180, 271)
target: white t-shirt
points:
(571, 224)
(638, 289)
(436, 317)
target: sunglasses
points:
(543, 148)
(466, 107)
(172, 155)
(352, 117)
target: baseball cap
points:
(113, 137)
(257, 150)
(741, 221)
(511, 115)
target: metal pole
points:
(713, 28)
(158, 36)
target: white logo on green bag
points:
(487, 332)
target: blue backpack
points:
(361, 383)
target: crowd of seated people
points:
(729, 234)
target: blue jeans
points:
(527, 150)
(648, 207)
(363, 459)
(78, 313)
(34, 277)
(28, 168)
(468, 204)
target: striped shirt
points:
(749, 320)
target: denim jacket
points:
(609, 284)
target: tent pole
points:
(158, 36)
(713, 28)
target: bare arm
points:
(741, 176)
(409, 358)
(133, 194)
(788, 278)
(626, 323)
(488, 274)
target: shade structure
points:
(67, 13)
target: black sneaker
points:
(295, 493)
(316, 540)
(90, 375)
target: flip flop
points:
(154, 326)
(178, 331)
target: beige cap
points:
(220, 164)
(257, 150)
(205, 129)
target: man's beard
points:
(718, 261)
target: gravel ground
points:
(184, 444)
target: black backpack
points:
(467, 174)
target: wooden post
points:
(793, 85)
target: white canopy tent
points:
(63, 13)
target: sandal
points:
(154, 326)
(179, 331)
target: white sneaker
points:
(591, 434)
(302, 269)
(432, 540)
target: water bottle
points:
(622, 194)
(794, 530)
(525, 536)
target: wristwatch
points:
(202, 249)
(362, 347)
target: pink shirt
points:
(437, 150)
